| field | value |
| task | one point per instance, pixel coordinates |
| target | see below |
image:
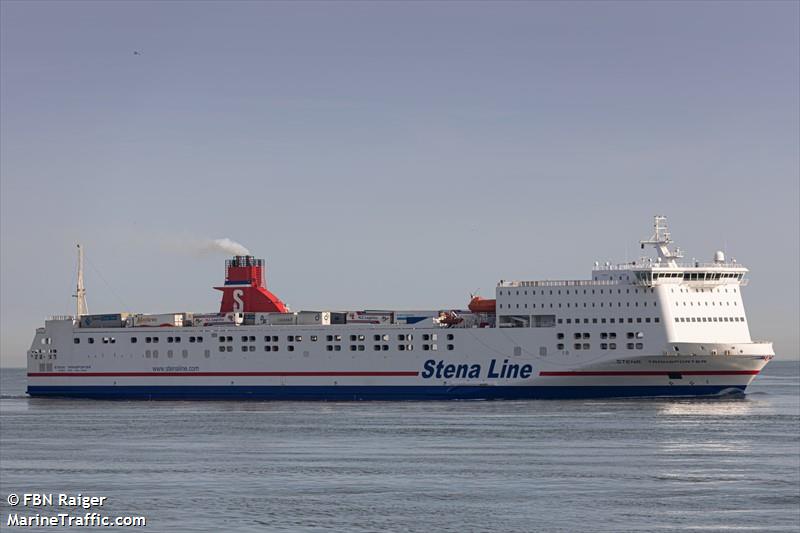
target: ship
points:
(653, 327)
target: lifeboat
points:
(482, 305)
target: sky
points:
(387, 154)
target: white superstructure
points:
(651, 327)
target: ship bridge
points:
(666, 269)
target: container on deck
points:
(217, 319)
(162, 320)
(370, 317)
(338, 317)
(282, 319)
(113, 320)
(415, 317)
(316, 318)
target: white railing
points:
(560, 283)
(636, 282)
(667, 266)
(61, 317)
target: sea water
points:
(583, 465)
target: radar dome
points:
(719, 256)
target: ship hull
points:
(338, 363)
(379, 393)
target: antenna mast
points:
(661, 240)
(80, 291)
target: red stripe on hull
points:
(217, 374)
(655, 373)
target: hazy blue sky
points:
(390, 154)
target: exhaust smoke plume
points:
(225, 245)
(201, 247)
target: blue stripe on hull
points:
(338, 393)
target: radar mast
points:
(661, 239)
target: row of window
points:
(267, 338)
(337, 338)
(704, 290)
(706, 303)
(337, 347)
(585, 335)
(637, 320)
(569, 304)
(549, 321)
(695, 276)
(148, 354)
(575, 291)
(710, 319)
(134, 340)
(603, 346)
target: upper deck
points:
(652, 271)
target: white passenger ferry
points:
(652, 327)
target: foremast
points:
(80, 291)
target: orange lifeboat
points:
(482, 305)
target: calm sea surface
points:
(599, 465)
